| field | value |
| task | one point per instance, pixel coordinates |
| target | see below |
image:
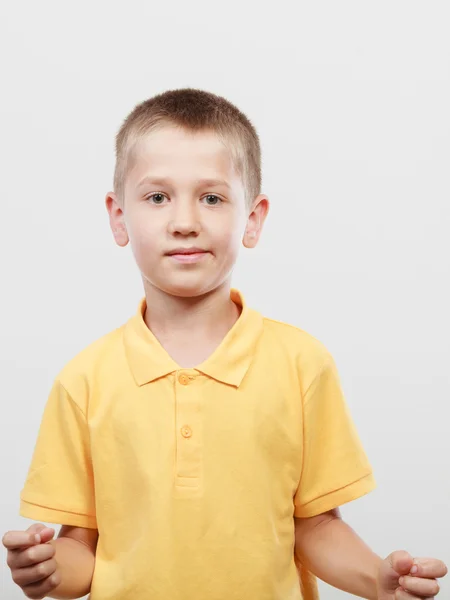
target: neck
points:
(209, 313)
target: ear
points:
(255, 222)
(116, 219)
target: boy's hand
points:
(31, 560)
(402, 577)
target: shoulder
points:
(79, 374)
(294, 346)
(295, 339)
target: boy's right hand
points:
(31, 560)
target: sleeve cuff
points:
(351, 492)
(56, 517)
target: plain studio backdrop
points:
(351, 101)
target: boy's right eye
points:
(157, 198)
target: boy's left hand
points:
(402, 577)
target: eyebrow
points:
(166, 181)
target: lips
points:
(186, 251)
(188, 256)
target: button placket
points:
(188, 430)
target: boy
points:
(200, 450)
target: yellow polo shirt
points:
(193, 476)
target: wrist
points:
(372, 578)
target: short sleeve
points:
(59, 487)
(335, 468)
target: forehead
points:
(200, 153)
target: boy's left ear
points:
(255, 222)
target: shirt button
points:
(186, 431)
(183, 379)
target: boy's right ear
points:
(116, 219)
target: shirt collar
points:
(229, 363)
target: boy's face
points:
(185, 233)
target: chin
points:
(181, 292)
(184, 290)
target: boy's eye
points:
(212, 200)
(156, 198)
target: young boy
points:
(199, 451)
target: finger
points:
(421, 587)
(401, 594)
(37, 591)
(13, 540)
(429, 568)
(18, 559)
(35, 574)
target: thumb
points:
(396, 564)
(45, 533)
(401, 562)
(36, 528)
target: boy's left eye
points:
(211, 200)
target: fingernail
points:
(37, 539)
(401, 580)
(414, 569)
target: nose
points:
(184, 220)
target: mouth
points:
(187, 255)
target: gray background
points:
(351, 100)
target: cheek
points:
(143, 233)
(228, 241)
(228, 233)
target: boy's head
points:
(187, 176)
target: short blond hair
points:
(195, 110)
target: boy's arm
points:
(330, 549)
(75, 556)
